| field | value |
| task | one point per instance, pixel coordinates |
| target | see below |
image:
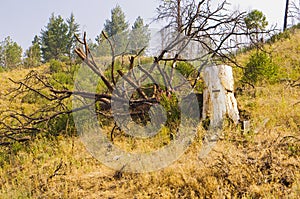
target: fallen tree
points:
(212, 29)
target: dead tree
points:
(212, 28)
(218, 96)
(286, 15)
(293, 12)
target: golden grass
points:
(7, 86)
(261, 165)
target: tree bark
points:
(286, 15)
(179, 20)
(218, 96)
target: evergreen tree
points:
(116, 30)
(33, 54)
(139, 36)
(11, 54)
(54, 39)
(102, 47)
(117, 24)
(57, 40)
(73, 29)
(256, 21)
(2, 56)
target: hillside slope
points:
(262, 163)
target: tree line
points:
(57, 40)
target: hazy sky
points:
(23, 19)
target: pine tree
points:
(11, 54)
(117, 24)
(33, 54)
(256, 21)
(102, 47)
(117, 30)
(139, 36)
(73, 29)
(57, 40)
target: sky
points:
(22, 20)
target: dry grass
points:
(264, 164)
(7, 86)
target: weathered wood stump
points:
(218, 96)
(218, 102)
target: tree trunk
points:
(286, 15)
(218, 96)
(179, 20)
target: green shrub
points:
(62, 74)
(171, 106)
(186, 69)
(284, 35)
(63, 78)
(31, 98)
(56, 66)
(280, 36)
(74, 68)
(61, 125)
(1, 69)
(64, 59)
(260, 68)
(297, 26)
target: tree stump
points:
(218, 96)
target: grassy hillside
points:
(284, 53)
(263, 163)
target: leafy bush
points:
(61, 125)
(32, 98)
(1, 69)
(280, 36)
(62, 74)
(185, 68)
(56, 66)
(287, 34)
(171, 106)
(63, 78)
(260, 68)
(297, 26)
